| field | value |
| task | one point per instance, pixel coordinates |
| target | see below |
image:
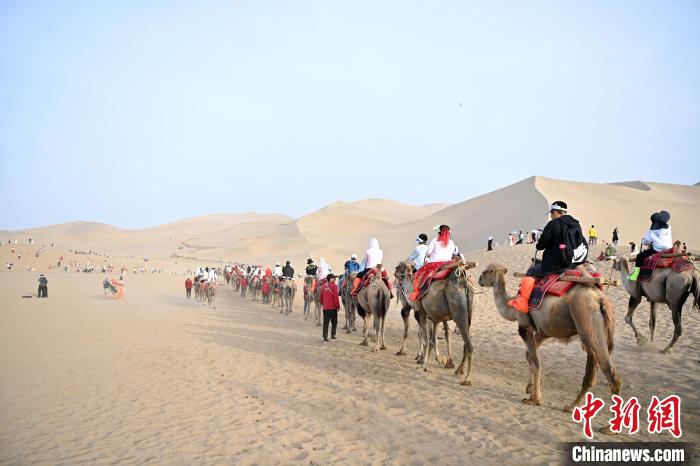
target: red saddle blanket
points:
(653, 262)
(429, 273)
(551, 285)
(266, 287)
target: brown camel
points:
(584, 311)
(373, 301)
(348, 303)
(449, 299)
(255, 288)
(665, 287)
(308, 295)
(404, 287)
(287, 290)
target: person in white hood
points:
(278, 270)
(373, 257)
(323, 269)
(658, 238)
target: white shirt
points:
(372, 258)
(439, 253)
(660, 240)
(277, 272)
(323, 270)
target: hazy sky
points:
(138, 113)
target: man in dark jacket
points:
(554, 260)
(311, 268)
(287, 270)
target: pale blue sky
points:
(138, 113)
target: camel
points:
(348, 303)
(665, 287)
(287, 290)
(255, 287)
(449, 299)
(308, 295)
(373, 301)
(211, 295)
(276, 298)
(404, 286)
(584, 311)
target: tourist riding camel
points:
(373, 257)
(564, 248)
(417, 256)
(658, 238)
(287, 271)
(278, 270)
(351, 266)
(441, 248)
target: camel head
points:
(403, 270)
(489, 276)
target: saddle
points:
(655, 261)
(430, 272)
(551, 285)
(367, 278)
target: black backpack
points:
(43, 281)
(575, 250)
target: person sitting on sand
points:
(417, 256)
(658, 239)
(553, 242)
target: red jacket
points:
(188, 284)
(329, 296)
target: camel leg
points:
(588, 381)
(449, 364)
(534, 362)
(652, 320)
(677, 329)
(377, 324)
(365, 330)
(382, 346)
(433, 344)
(468, 350)
(631, 307)
(405, 315)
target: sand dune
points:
(339, 229)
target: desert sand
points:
(164, 380)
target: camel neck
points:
(501, 298)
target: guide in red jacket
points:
(330, 302)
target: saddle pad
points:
(551, 285)
(429, 273)
(653, 262)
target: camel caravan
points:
(560, 296)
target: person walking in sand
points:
(592, 236)
(43, 287)
(615, 237)
(188, 287)
(330, 302)
(121, 292)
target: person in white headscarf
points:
(373, 257)
(323, 269)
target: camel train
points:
(574, 303)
